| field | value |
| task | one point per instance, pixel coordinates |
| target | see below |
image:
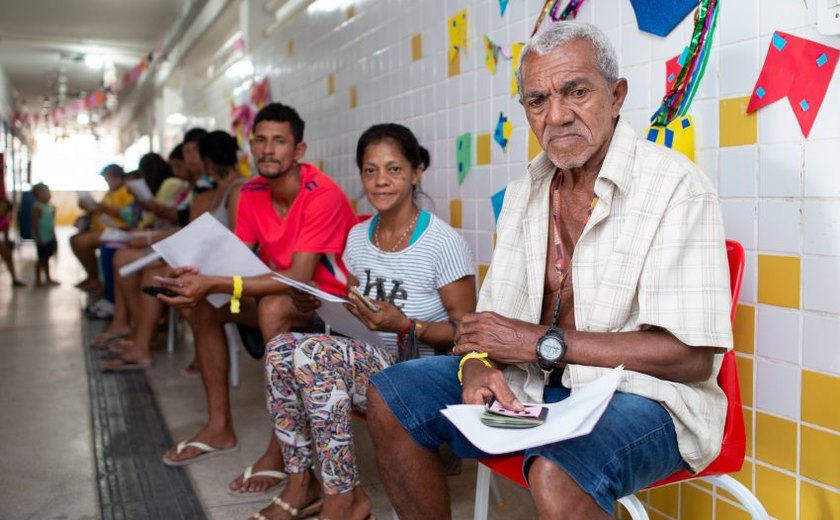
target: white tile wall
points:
(737, 21)
(779, 333)
(821, 172)
(821, 284)
(779, 171)
(820, 347)
(778, 226)
(738, 171)
(778, 388)
(821, 228)
(739, 221)
(738, 68)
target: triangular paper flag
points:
(491, 54)
(503, 130)
(660, 17)
(457, 33)
(678, 135)
(503, 6)
(497, 200)
(798, 69)
(463, 154)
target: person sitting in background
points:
(643, 282)
(6, 245)
(219, 153)
(299, 218)
(170, 183)
(43, 229)
(115, 209)
(420, 274)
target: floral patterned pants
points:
(313, 382)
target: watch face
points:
(551, 348)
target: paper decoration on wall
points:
(416, 47)
(677, 135)
(737, 127)
(457, 33)
(354, 97)
(551, 9)
(260, 94)
(516, 54)
(672, 69)
(677, 100)
(660, 17)
(497, 200)
(463, 155)
(503, 6)
(503, 131)
(798, 69)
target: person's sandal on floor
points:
(304, 511)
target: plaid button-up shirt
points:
(651, 256)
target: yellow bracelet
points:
(481, 356)
(237, 294)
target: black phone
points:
(153, 290)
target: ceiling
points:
(42, 41)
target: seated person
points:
(420, 274)
(218, 150)
(6, 245)
(115, 209)
(643, 282)
(299, 218)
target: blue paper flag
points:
(496, 200)
(503, 5)
(660, 17)
(504, 128)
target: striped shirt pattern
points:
(410, 279)
(651, 255)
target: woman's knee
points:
(275, 314)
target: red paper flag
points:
(798, 69)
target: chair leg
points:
(234, 344)
(171, 331)
(497, 493)
(634, 506)
(744, 496)
(482, 492)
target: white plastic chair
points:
(234, 342)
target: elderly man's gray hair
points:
(552, 36)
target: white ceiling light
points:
(240, 69)
(83, 118)
(94, 61)
(325, 6)
(176, 119)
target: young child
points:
(43, 226)
(6, 245)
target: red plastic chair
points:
(731, 456)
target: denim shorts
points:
(632, 446)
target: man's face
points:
(274, 149)
(569, 104)
(192, 159)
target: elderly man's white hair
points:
(554, 35)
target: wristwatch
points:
(551, 349)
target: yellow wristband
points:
(237, 294)
(481, 356)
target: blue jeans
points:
(632, 446)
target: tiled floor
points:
(47, 467)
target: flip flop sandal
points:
(304, 511)
(368, 517)
(126, 365)
(106, 339)
(249, 474)
(207, 452)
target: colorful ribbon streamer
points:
(550, 9)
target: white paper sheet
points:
(114, 235)
(132, 267)
(86, 200)
(573, 417)
(209, 246)
(140, 189)
(334, 313)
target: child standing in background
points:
(43, 226)
(6, 245)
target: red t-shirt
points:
(317, 222)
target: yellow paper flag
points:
(516, 52)
(491, 54)
(457, 33)
(678, 135)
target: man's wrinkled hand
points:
(504, 339)
(482, 383)
(191, 286)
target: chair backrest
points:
(733, 447)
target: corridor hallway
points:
(52, 444)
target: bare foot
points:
(271, 460)
(302, 493)
(126, 360)
(220, 439)
(191, 370)
(352, 505)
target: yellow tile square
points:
(820, 455)
(353, 97)
(696, 504)
(729, 512)
(534, 147)
(736, 126)
(417, 47)
(653, 515)
(482, 273)
(353, 204)
(454, 65)
(749, 428)
(482, 149)
(743, 330)
(776, 491)
(818, 394)
(744, 477)
(817, 502)
(745, 379)
(351, 11)
(775, 441)
(291, 48)
(666, 499)
(456, 213)
(321, 164)
(330, 84)
(779, 280)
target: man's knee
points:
(275, 313)
(555, 491)
(381, 421)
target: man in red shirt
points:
(299, 218)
